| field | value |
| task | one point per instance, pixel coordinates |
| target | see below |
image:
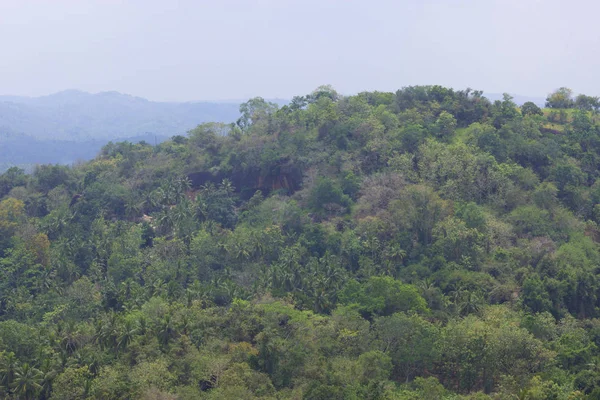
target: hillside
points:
(418, 244)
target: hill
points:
(418, 244)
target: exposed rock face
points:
(203, 177)
(285, 176)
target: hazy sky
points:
(226, 49)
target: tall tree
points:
(560, 98)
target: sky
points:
(169, 50)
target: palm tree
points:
(227, 186)
(264, 280)
(158, 198)
(50, 370)
(47, 280)
(467, 301)
(106, 331)
(133, 207)
(28, 382)
(127, 333)
(8, 366)
(165, 221)
(196, 291)
(238, 250)
(158, 288)
(394, 255)
(165, 330)
(69, 337)
(183, 219)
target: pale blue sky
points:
(214, 50)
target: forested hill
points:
(420, 244)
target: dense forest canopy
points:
(422, 244)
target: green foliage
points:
(587, 103)
(383, 296)
(409, 340)
(530, 108)
(445, 124)
(71, 384)
(327, 197)
(418, 244)
(12, 178)
(560, 98)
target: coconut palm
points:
(8, 366)
(127, 333)
(28, 382)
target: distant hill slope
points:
(80, 116)
(72, 125)
(26, 151)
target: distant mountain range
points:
(73, 125)
(81, 116)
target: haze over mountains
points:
(73, 125)
(76, 115)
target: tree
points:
(409, 340)
(504, 111)
(12, 214)
(327, 197)
(47, 177)
(8, 367)
(13, 177)
(587, 103)
(374, 366)
(418, 210)
(27, 382)
(535, 297)
(560, 98)
(567, 173)
(242, 376)
(455, 241)
(477, 352)
(323, 91)
(112, 383)
(383, 295)
(208, 137)
(71, 384)
(445, 124)
(254, 111)
(215, 203)
(530, 108)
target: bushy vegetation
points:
(423, 244)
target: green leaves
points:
(328, 198)
(383, 296)
(418, 244)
